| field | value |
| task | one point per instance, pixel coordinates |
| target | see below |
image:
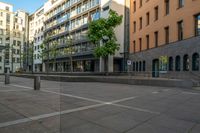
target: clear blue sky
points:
(27, 5)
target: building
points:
(36, 36)
(13, 36)
(66, 25)
(165, 38)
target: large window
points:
(148, 18)
(171, 63)
(134, 26)
(140, 22)
(140, 44)
(147, 39)
(180, 30)
(197, 25)
(167, 7)
(167, 34)
(195, 62)
(156, 38)
(180, 3)
(186, 63)
(134, 46)
(156, 13)
(134, 6)
(178, 63)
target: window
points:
(1, 22)
(134, 6)
(7, 8)
(0, 59)
(140, 66)
(136, 66)
(134, 46)
(140, 22)
(156, 38)
(180, 30)
(148, 19)
(180, 3)
(141, 3)
(144, 66)
(1, 31)
(133, 66)
(195, 62)
(140, 44)
(171, 63)
(178, 63)
(167, 34)
(167, 7)
(156, 13)
(147, 39)
(197, 25)
(186, 63)
(134, 26)
(1, 40)
(1, 14)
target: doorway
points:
(155, 68)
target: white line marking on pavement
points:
(73, 96)
(101, 103)
(137, 109)
(20, 86)
(34, 118)
(190, 93)
(14, 90)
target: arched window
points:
(186, 63)
(195, 62)
(140, 66)
(136, 66)
(144, 66)
(178, 63)
(171, 65)
(133, 66)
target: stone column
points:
(102, 64)
(110, 63)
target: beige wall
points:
(186, 13)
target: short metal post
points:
(37, 83)
(7, 77)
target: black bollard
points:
(7, 78)
(37, 83)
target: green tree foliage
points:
(103, 30)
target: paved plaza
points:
(77, 107)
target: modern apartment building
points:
(13, 36)
(165, 38)
(66, 26)
(36, 36)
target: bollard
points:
(37, 83)
(7, 78)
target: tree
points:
(69, 51)
(44, 53)
(101, 33)
(53, 52)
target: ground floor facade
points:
(84, 63)
(175, 60)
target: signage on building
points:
(129, 62)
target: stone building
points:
(165, 38)
(13, 37)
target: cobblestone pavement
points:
(66, 107)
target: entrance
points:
(155, 68)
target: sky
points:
(27, 5)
